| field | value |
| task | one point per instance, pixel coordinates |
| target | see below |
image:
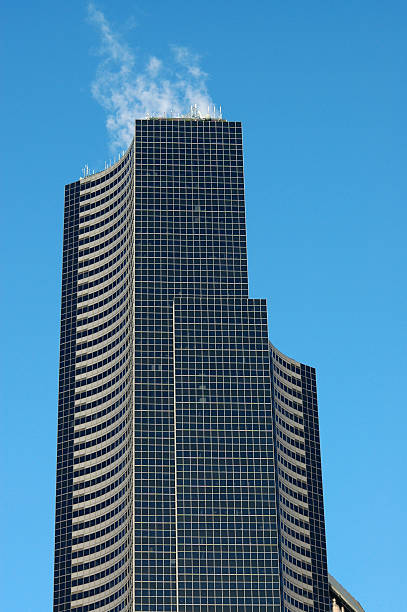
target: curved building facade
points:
(304, 573)
(188, 465)
(95, 475)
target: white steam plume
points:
(127, 92)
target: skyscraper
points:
(188, 464)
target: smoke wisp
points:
(128, 91)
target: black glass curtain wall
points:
(188, 473)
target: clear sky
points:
(321, 90)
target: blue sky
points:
(321, 90)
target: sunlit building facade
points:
(188, 464)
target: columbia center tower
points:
(188, 463)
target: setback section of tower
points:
(226, 515)
(304, 573)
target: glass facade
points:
(174, 491)
(226, 495)
(304, 573)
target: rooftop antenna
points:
(220, 112)
(195, 114)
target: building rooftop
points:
(343, 598)
(194, 113)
